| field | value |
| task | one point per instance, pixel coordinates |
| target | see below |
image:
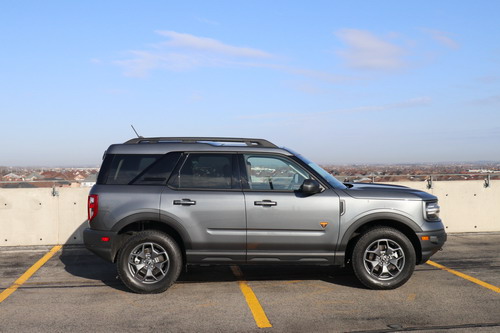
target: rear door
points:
(204, 198)
(283, 224)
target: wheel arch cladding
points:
(401, 223)
(137, 223)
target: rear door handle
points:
(185, 202)
(266, 203)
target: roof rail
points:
(246, 141)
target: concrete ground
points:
(77, 291)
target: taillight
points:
(93, 206)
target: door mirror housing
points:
(310, 186)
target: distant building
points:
(10, 177)
(33, 176)
(90, 180)
(79, 177)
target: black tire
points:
(149, 262)
(383, 258)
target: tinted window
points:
(122, 169)
(274, 173)
(158, 172)
(205, 171)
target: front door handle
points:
(185, 202)
(266, 203)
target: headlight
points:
(431, 211)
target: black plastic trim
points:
(435, 243)
(163, 219)
(342, 246)
(93, 242)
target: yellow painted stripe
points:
(465, 276)
(253, 302)
(32, 270)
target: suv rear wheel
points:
(149, 262)
(383, 258)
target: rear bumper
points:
(433, 244)
(93, 241)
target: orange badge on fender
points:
(323, 224)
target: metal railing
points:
(429, 178)
(44, 183)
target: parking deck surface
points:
(77, 291)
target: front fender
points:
(389, 217)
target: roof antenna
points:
(140, 137)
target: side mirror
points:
(310, 186)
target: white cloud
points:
(182, 52)
(143, 62)
(205, 44)
(443, 38)
(185, 51)
(368, 51)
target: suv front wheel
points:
(149, 262)
(383, 258)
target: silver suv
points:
(162, 203)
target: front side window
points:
(268, 173)
(205, 171)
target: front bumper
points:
(434, 243)
(104, 249)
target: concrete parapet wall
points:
(38, 217)
(466, 206)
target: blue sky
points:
(339, 81)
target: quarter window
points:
(130, 169)
(158, 172)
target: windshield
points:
(323, 173)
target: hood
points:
(386, 192)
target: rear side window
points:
(205, 171)
(121, 169)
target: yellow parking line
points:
(253, 303)
(465, 276)
(32, 270)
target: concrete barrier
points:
(41, 217)
(466, 206)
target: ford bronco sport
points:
(162, 203)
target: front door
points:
(283, 224)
